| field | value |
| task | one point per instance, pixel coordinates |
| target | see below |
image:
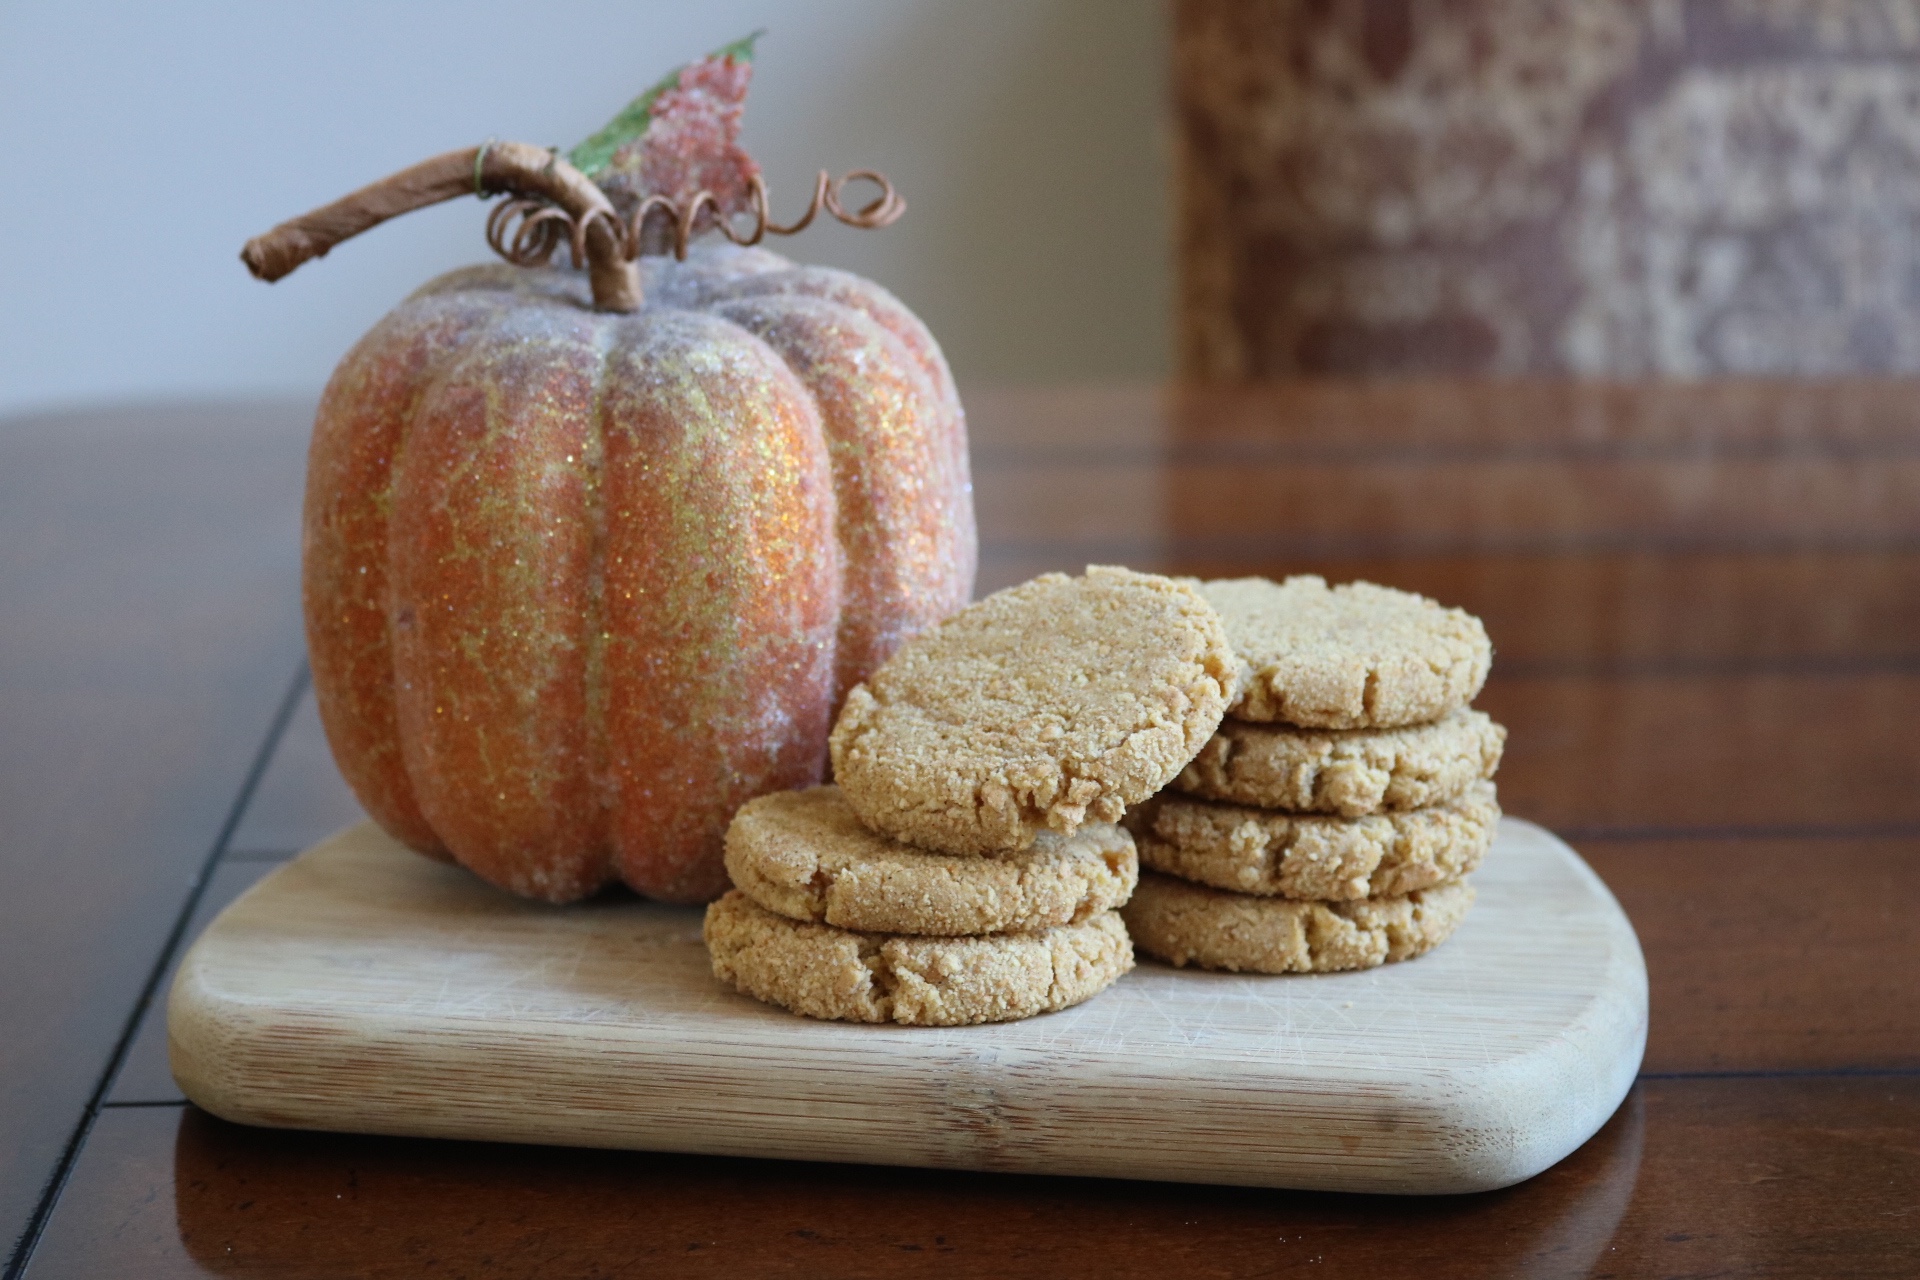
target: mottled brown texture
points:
(1610, 187)
(824, 972)
(1347, 657)
(1184, 924)
(804, 854)
(1287, 855)
(578, 585)
(1350, 772)
(1046, 705)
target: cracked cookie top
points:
(1356, 656)
(1044, 706)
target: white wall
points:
(146, 142)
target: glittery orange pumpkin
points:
(580, 583)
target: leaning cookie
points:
(1355, 656)
(1057, 702)
(1186, 924)
(824, 972)
(804, 854)
(1291, 855)
(1345, 771)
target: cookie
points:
(826, 972)
(1185, 924)
(805, 855)
(1345, 771)
(1356, 656)
(1286, 855)
(1056, 702)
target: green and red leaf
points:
(679, 137)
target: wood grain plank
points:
(1537, 415)
(1605, 609)
(1774, 955)
(301, 799)
(1367, 503)
(367, 989)
(144, 1077)
(1783, 1177)
(1805, 750)
(149, 573)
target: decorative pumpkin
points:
(591, 556)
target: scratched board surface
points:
(363, 988)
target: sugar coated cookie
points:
(826, 972)
(1288, 855)
(1356, 656)
(805, 855)
(1345, 771)
(1056, 702)
(1185, 924)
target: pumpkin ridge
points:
(720, 506)
(598, 766)
(886, 424)
(843, 288)
(489, 671)
(349, 490)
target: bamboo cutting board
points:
(364, 988)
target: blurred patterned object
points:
(1605, 187)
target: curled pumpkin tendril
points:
(526, 231)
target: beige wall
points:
(1027, 136)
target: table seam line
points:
(56, 1182)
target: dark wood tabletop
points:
(1705, 604)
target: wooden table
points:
(1706, 605)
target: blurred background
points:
(1614, 187)
(150, 141)
(1101, 190)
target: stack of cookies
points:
(967, 866)
(1331, 821)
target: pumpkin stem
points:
(525, 171)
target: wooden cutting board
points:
(364, 988)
